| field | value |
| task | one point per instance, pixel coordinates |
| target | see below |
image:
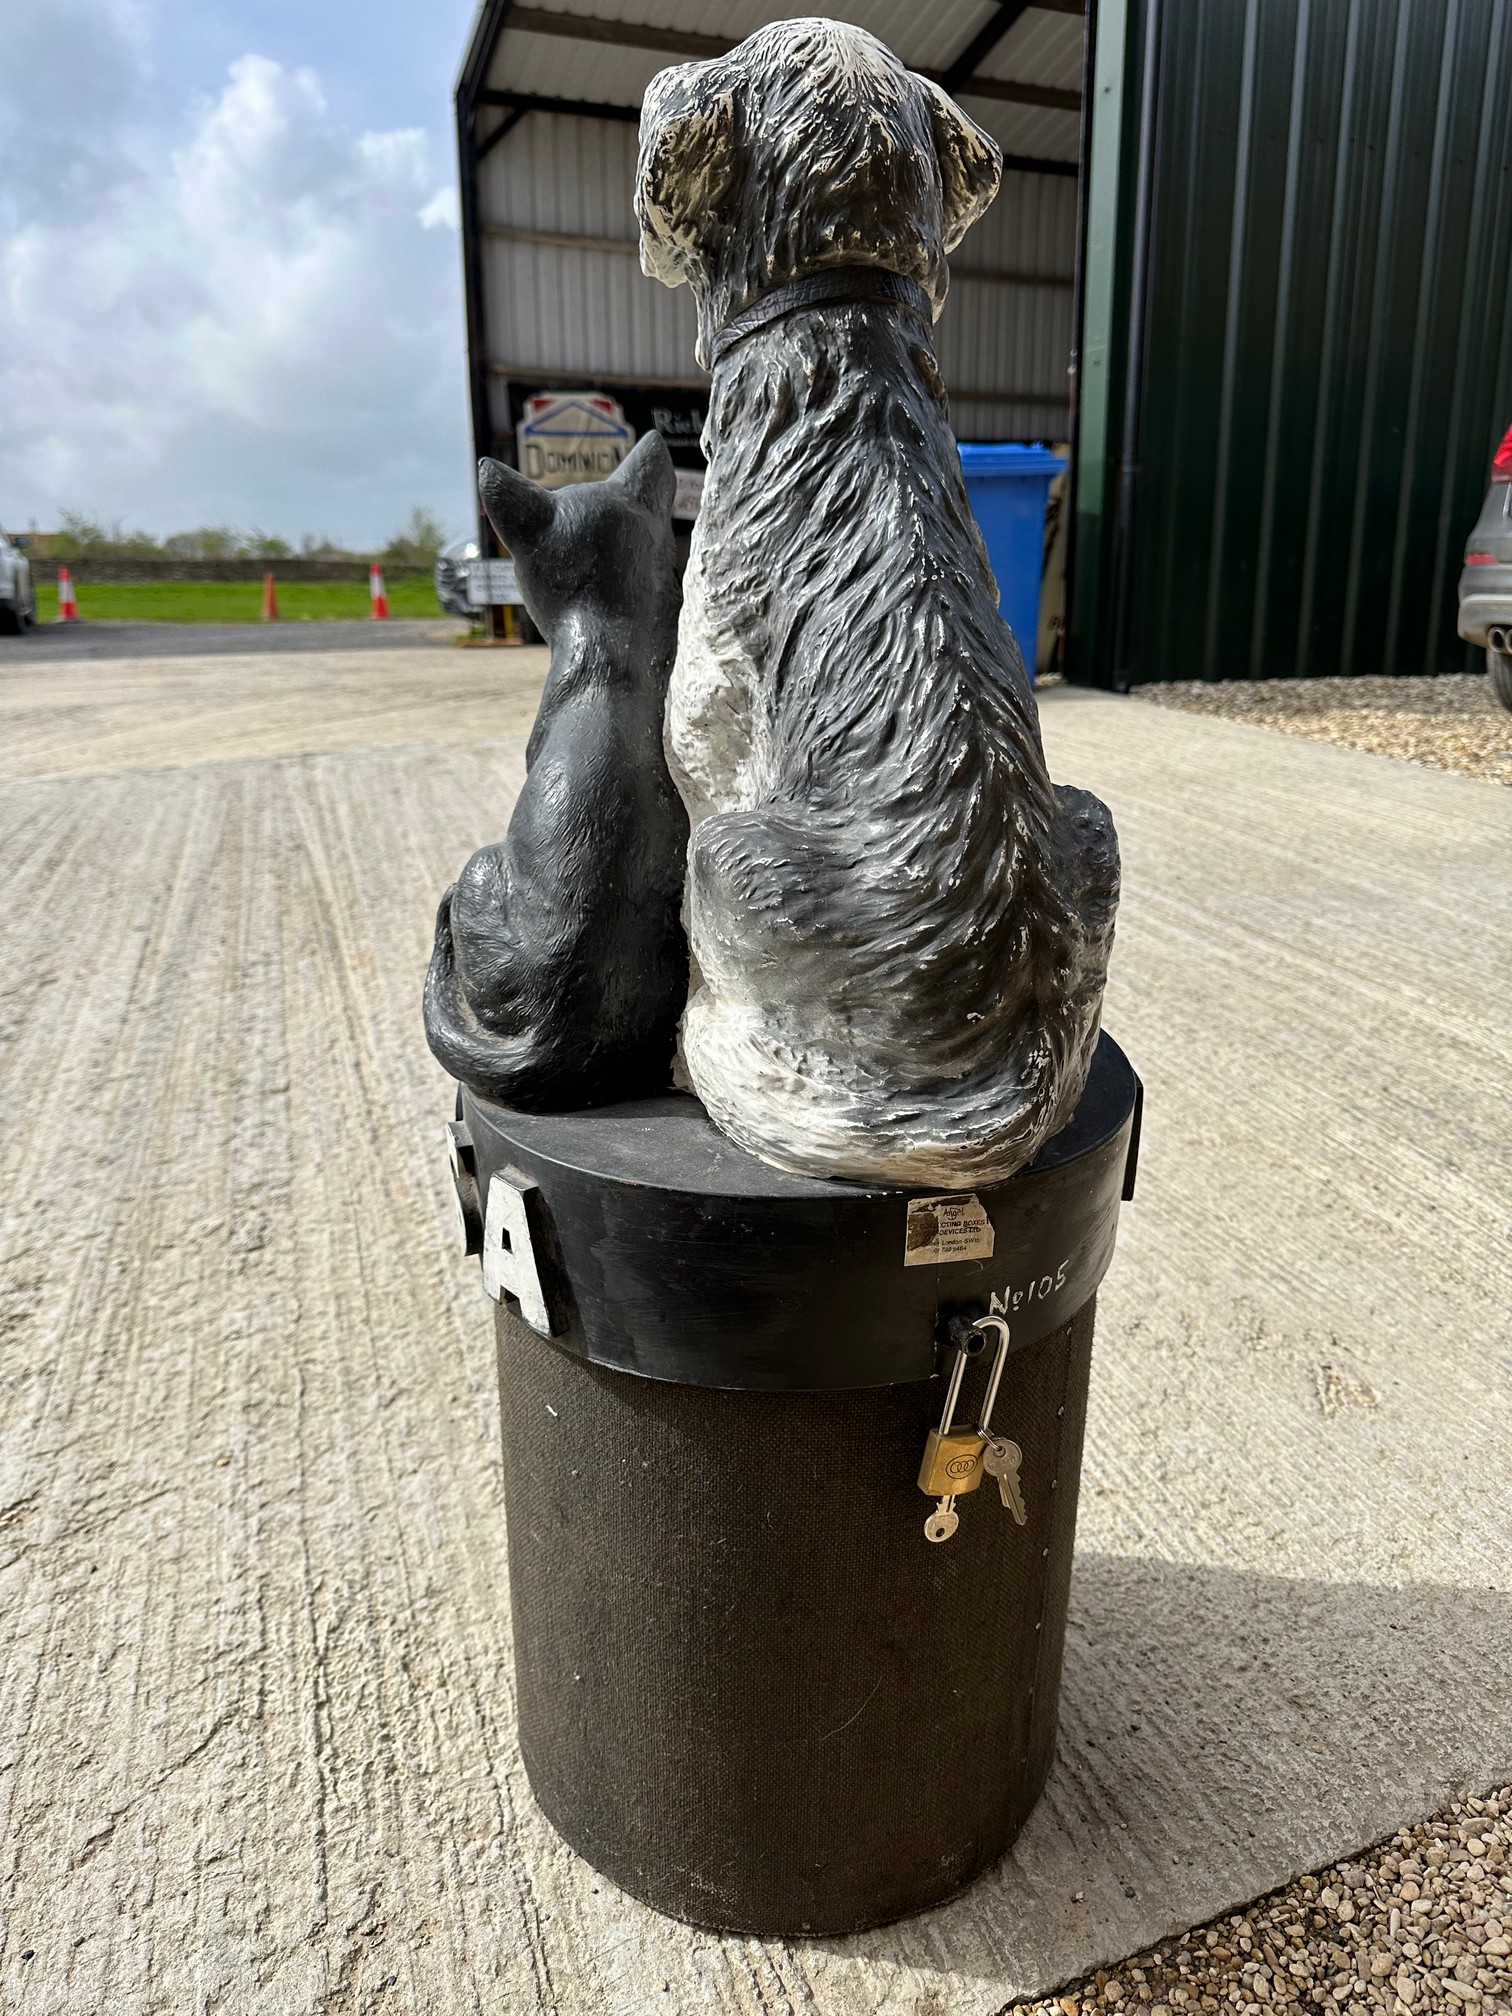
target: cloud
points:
(443, 209)
(254, 319)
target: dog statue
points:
(900, 927)
(560, 966)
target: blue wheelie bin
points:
(1008, 485)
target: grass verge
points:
(232, 601)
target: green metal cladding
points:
(1327, 334)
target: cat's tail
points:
(494, 1066)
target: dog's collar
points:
(820, 290)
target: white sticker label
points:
(689, 493)
(941, 1229)
(509, 1262)
(491, 583)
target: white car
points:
(18, 598)
(1485, 588)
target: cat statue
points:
(560, 966)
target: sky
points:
(230, 275)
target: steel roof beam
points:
(505, 127)
(488, 31)
(983, 43)
(586, 241)
(1038, 164)
(592, 108)
(489, 27)
(577, 108)
(618, 34)
(1009, 91)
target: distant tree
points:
(84, 538)
(81, 537)
(78, 535)
(420, 541)
(206, 542)
(320, 546)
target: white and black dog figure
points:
(900, 926)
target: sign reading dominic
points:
(572, 437)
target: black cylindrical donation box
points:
(751, 1690)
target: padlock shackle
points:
(982, 1325)
(953, 1392)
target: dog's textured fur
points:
(900, 927)
(560, 967)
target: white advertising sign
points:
(491, 583)
(572, 437)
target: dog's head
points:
(809, 145)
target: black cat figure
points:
(560, 967)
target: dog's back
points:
(901, 926)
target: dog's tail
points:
(494, 1066)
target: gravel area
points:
(1452, 723)
(1423, 1924)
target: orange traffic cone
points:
(377, 590)
(68, 609)
(270, 600)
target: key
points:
(1001, 1459)
(943, 1521)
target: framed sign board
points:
(491, 583)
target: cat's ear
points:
(518, 510)
(647, 473)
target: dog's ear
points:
(971, 163)
(647, 473)
(518, 510)
(687, 168)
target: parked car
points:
(451, 576)
(18, 598)
(1485, 589)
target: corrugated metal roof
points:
(555, 68)
(1042, 48)
(1039, 48)
(919, 34)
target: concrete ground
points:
(256, 1748)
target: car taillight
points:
(1501, 467)
(1480, 560)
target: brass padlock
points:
(955, 1458)
(952, 1463)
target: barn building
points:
(1264, 288)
